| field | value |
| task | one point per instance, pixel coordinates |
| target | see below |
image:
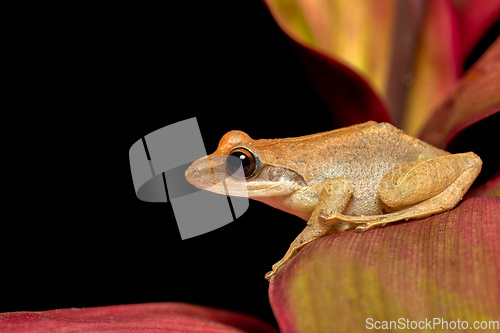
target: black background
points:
(93, 81)
(99, 80)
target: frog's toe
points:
(269, 275)
(363, 227)
(370, 225)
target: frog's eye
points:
(247, 159)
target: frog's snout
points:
(210, 173)
(197, 173)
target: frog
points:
(358, 177)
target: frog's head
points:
(246, 167)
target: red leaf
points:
(149, 317)
(445, 266)
(474, 18)
(489, 189)
(410, 52)
(476, 97)
(344, 91)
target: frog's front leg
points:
(422, 188)
(334, 194)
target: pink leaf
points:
(407, 53)
(474, 18)
(489, 189)
(345, 92)
(445, 266)
(475, 98)
(148, 317)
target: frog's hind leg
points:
(422, 188)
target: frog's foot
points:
(369, 225)
(364, 227)
(333, 198)
(289, 255)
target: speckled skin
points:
(366, 175)
(362, 153)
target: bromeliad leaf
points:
(411, 53)
(147, 317)
(445, 266)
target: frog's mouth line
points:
(266, 190)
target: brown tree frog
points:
(359, 177)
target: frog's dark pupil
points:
(233, 164)
(242, 158)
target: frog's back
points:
(364, 153)
(377, 143)
(353, 150)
